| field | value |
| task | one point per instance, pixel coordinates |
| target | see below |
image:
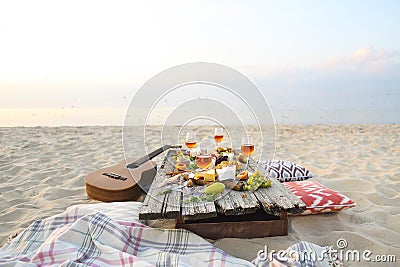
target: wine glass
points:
(204, 158)
(191, 141)
(247, 147)
(218, 135)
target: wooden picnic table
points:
(233, 211)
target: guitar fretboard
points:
(150, 156)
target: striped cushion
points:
(286, 171)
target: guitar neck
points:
(151, 155)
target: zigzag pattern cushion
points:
(286, 171)
(318, 198)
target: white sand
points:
(42, 171)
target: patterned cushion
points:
(318, 198)
(286, 171)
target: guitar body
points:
(118, 183)
(124, 182)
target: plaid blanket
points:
(83, 236)
(110, 234)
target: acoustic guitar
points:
(124, 182)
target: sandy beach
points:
(42, 171)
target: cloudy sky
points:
(81, 62)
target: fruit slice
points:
(214, 189)
(243, 175)
(180, 166)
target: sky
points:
(81, 62)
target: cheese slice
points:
(209, 176)
(226, 173)
(199, 175)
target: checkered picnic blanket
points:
(110, 234)
(83, 236)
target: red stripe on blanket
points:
(212, 257)
(138, 239)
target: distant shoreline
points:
(277, 124)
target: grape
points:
(221, 159)
(267, 183)
(257, 180)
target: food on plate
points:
(180, 166)
(214, 189)
(243, 175)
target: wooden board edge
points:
(246, 229)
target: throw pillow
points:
(318, 198)
(286, 171)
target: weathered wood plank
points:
(237, 203)
(288, 201)
(153, 205)
(198, 210)
(159, 205)
(272, 199)
(277, 198)
(192, 210)
(172, 200)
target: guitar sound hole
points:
(114, 176)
